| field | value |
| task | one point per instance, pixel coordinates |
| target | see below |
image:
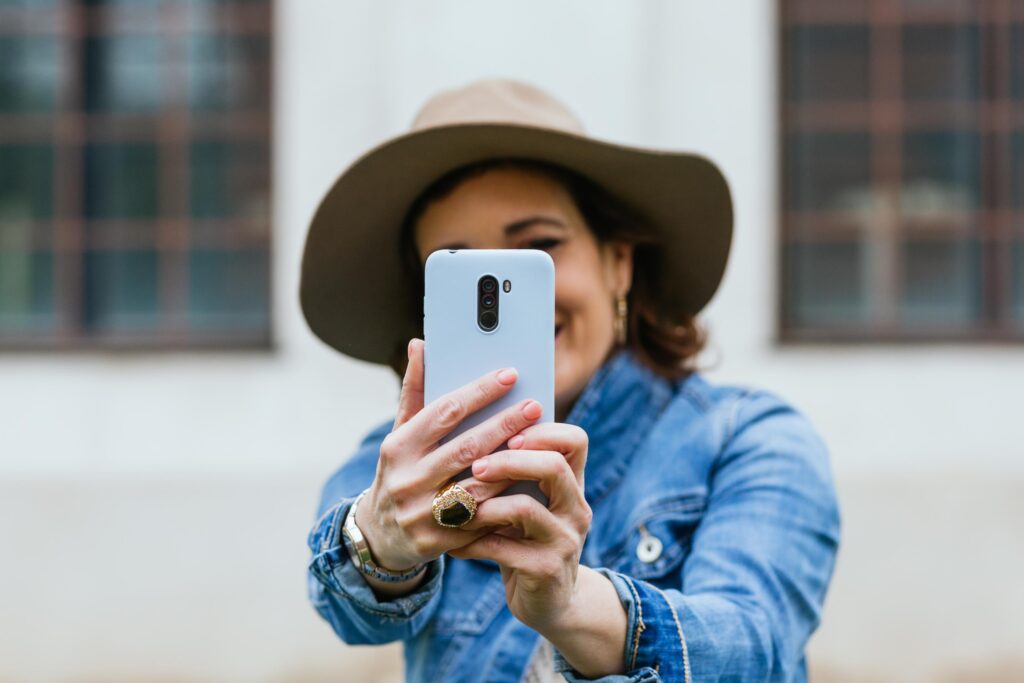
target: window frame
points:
(999, 116)
(173, 127)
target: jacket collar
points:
(617, 408)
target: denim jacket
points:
(714, 516)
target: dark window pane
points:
(123, 73)
(26, 186)
(200, 6)
(121, 181)
(1017, 296)
(827, 63)
(1017, 59)
(121, 290)
(29, 73)
(941, 282)
(828, 170)
(1017, 171)
(228, 289)
(228, 179)
(210, 16)
(940, 62)
(26, 291)
(943, 165)
(809, 8)
(227, 72)
(954, 9)
(827, 282)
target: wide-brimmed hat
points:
(352, 291)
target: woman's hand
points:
(395, 514)
(538, 548)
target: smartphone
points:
(486, 309)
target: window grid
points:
(889, 228)
(181, 244)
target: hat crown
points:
(497, 101)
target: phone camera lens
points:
(488, 284)
(488, 301)
(488, 319)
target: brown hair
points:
(667, 345)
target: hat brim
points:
(352, 293)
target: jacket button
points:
(649, 549)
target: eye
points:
(544, 243)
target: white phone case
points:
(457, 350)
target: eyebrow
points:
(516, 227)
(520, 225)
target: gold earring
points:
(620, 319)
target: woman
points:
(691, 529)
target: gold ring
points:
(453, 506)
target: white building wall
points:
(154, 506)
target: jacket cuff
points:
(333, 567)
(636, 672)
(655, 638)
(644, 675)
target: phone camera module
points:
(487, 303)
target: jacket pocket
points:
(658, 536)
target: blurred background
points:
(167, 419)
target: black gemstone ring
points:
(453, 506)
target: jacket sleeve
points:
(337, 589)
(759, 567)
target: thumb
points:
(411, 400)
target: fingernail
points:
(480, 466)
(507, 376)
(516, 441)
(532, 410)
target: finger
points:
(570, 440)
(549, 468)
(448, 460)
(510, 531)
(520, 511)
(441, 540)
(484, 490)
(510, 553)
(411, 400)
(444, 414)
(479, 490)
(435, 539)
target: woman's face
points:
(516, 209)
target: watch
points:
(359, 551)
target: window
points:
(902, 126)
(134, 173)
